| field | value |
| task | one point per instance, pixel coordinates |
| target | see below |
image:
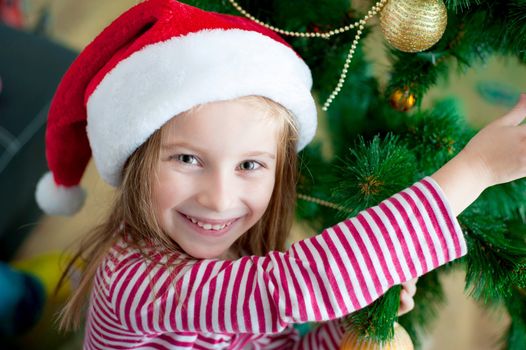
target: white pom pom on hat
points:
(155, 61)
(58, 200)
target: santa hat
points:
(158, 59)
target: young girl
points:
(196, 118)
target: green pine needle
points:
(372, 172)
(516, 306)
(495, 256)
(436, 136)
(376, 321)
(504, 200)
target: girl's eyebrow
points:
(170, 146)
(259, 153)
(173, 145)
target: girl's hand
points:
(500, 148)
(406, 296)
(495, 155)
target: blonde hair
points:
(132, 212)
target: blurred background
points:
(39, 39)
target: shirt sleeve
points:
(344, 268)
(325, 336)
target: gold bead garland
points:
(322, 202)
(325, 35)
(376, 8)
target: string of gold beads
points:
(325, 35)
(343, 75)
(322, 202)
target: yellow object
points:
(401, 341)
(413, 25)
(48, 268)
(402, 100)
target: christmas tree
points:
(381, 139)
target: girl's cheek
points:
(171, 187)
(261, 193)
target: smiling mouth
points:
(208, 226)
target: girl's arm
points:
(497, 154)
(329, 335)
(341, 270)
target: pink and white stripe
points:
(140, 303)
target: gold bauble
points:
(401, 341)
(413, 25)
(402, 100)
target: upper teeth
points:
(208, 226)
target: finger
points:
(516, 115)
(410, 289)
(410, 286)
(413, 281)
(407, 303)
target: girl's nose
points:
(218, 192)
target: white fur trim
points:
(58, 200)
(147, 89)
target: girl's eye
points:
(187, 159)
(249, 165)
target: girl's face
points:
(216, 175)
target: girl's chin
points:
(207, 255)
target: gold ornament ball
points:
(413, 25)
(401, 341)
(402, 100)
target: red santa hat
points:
(158, 59)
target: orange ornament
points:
(402, 100)
(401, 341)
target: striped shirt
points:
(142, 302)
